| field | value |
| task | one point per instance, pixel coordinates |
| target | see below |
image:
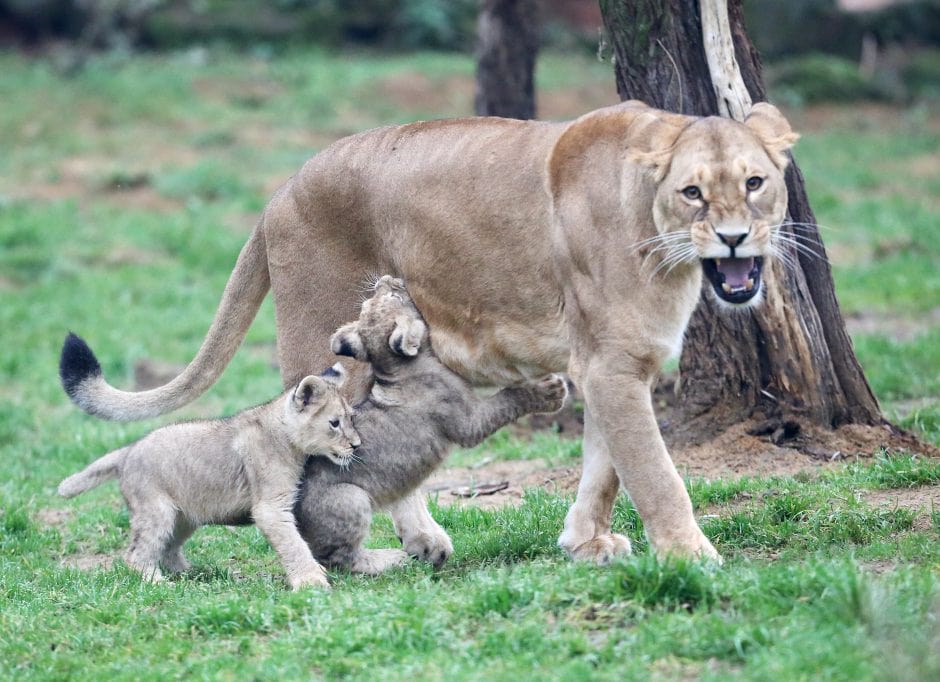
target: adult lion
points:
(530, 247)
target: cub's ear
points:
(651, 138)
(407, 337)
(335, 375)
(346, 341)
(310, 391)
(773, 130)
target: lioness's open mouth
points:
(735, 280)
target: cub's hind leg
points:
(152, 523)
(173, 559)
(335, 521)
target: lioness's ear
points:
(346, 341)
(651, 138)
(773, 130)
(335, 375)
(310, 391)
(407, 337)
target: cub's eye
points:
(692, 193)
(334, 423)
(754, 183)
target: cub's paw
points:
(311, 578)
(431, 545)
(550, 393)
(602, 549)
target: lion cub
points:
(227, 471)
(416, 410)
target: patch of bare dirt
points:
(898, 327)
(88, 562)
(471, 486)
(922, 501)
(861, 116)
(53, 518)
(415, 91)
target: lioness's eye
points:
(334, 423)
(754, 183)
(692, 193)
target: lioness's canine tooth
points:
(750, 283)
(726, 287)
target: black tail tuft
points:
(76, 363)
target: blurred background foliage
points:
(819, 50)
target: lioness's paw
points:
(550, 393)
(602, 549)
(696, 547)
(310, 579)
(431, 545)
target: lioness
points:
(530, 247)
(415, 410)
(234, 470)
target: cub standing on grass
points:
(416, 409)
(228, 471)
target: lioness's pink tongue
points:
(735, 270)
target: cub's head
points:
(319, 420)
(721, 195)
(389, 330)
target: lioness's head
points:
(389, 330)
(721, 194)
(319, 420)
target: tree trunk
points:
(507, 33)
(791, 358)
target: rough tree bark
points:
(791, 359)
(508, 36)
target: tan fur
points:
(529, 247)
(228, 471)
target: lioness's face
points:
(722, 198)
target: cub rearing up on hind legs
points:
(228, 471)
(416, 409)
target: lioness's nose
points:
(732, 240)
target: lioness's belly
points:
(504, 353)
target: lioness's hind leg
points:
(316, 283)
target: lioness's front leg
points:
(620, 405)
(275, 518)
(587, 534)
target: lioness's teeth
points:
(750, 283)
(726, 287)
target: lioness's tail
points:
(247, 286)
(96, 473)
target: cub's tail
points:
(96, 473)
(247, 286)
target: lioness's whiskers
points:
(798, 245)
(681, 253)
(660, 240)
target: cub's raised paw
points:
(550, 393)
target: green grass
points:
(125, 196)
